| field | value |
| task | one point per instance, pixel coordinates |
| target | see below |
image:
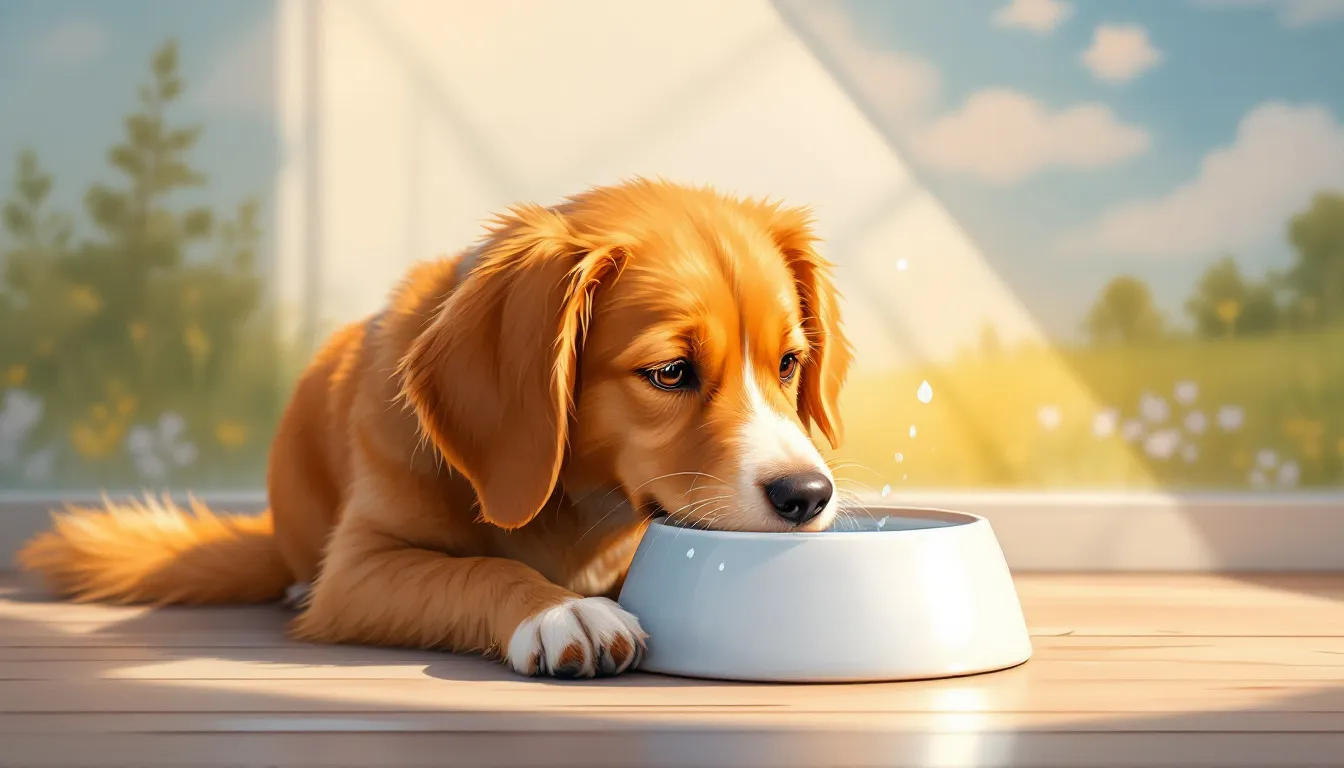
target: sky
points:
(1075, 141)
(68, 77)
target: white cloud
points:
(241, 76)
(1242, 195)
(70, 42)
(899, 86)
(1002, 136)
(1120, 52)
(1039, 16)
(1291, 13)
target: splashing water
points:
(690, 553)
(886, 491)
(924, 393)
(720, 566)
(900, 457)
(882, 523)
(913, 431)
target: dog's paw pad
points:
(587, 637)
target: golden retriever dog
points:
(472, 468)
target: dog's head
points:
(669, 343)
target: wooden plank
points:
(1060, 658)
(784, 749)
(1012, 691)
(1111, 605)
(644, 720)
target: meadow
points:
(1235, 413)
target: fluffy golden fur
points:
(471, 468)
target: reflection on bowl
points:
(897, 594)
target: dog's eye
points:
(788, 366)
(674, 375)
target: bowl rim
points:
(962, 520)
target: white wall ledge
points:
(1039, 531)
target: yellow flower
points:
(230, 434)
(85, 300)
(126, 405)
(1308, 434)
(16, 375)
(1303, 428)
(197, 343)
(95, 442)
(138, 331)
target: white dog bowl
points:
(908, 594)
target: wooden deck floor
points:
(1129, 670)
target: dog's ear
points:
(492, 377)
(824, 376)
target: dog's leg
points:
(403, 596)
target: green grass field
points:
(1225, 414)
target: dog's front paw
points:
(587, 637)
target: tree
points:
(1225, 303)
(1124, 313)
(1317, 276)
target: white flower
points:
(151, 467)
(39, 466)
(1257, 478)
(1154, 408)
(1231, 417)
(1162, 444)
(156, 451)
(1104, 423)
(1196, 422)
(1266, 459)
(1049, 416)
(1186, 392)
(19, 414)
(1131, 430)
(1190, 453)
(1289, 474)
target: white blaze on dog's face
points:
(704, 363)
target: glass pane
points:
(1125, 268)
(138, 157)
(1108, 238)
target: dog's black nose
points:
(799, 497)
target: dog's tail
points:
(156, 552)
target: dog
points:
(471, 468)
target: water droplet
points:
(720, 566)
(900, 457)
(886, 491)
(913, 431)
(924, 393)
(690, 553)
(882, 523)
(902, 265)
